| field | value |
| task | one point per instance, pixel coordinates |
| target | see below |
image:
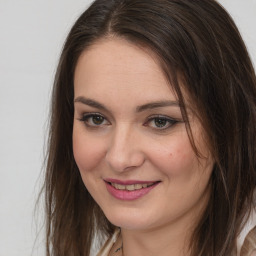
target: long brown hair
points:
(193, 39)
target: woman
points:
(152, 135)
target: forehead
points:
(115, 65)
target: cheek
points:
(174, 158)
(88, 152)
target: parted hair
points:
(199, 49)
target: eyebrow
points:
(157, 104)
(90, 102)
(151, 105)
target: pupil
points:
(97, 119)
(160, 122)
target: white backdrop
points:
(31, 35)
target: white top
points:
(249, 225)
(109, 244)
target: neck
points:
(162, 242)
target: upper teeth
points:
(130, 187)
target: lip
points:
(129, 195)
(130, 182)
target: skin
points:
(125, 144)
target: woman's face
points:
(130, 142)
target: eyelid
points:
(164, 117)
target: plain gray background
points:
(31, 36)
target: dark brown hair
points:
(193, 39)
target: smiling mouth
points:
(129, 190)
(131, 187)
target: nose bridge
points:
(123, 151)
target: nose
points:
(125, 150)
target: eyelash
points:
(87, 119)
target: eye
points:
(161, 122)
(94, 120)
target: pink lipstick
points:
(129, 190)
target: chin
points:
(128, 219)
